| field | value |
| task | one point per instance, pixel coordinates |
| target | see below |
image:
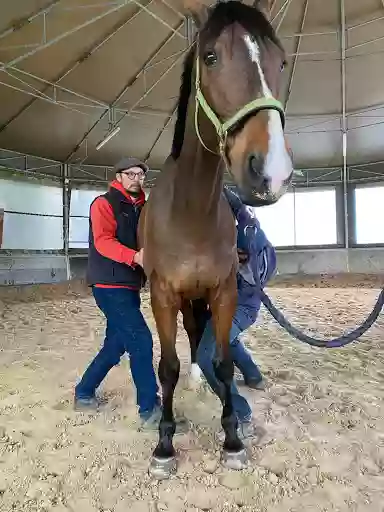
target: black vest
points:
(102, 270)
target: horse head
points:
(239, 61)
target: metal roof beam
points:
(371, 108)
(158, 136)
(39, 96)
(19, 24)
(177, 12)
(284, 10)
(364, 43)
(130, 83)
(364, 23)
(163, 60)
(18, 46)
(82, 7)
(304, 54)
(71, 106)
(55, 83)
(58, 38)
(281, 9)
(273, 5)
(159, 19)
(131, 109)
(309, 34)
(23, 155)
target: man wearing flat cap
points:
(116, 276)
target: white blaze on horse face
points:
(278, 164)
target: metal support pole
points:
(66, 207)
(344, 125)
(297, 51)
(1, 226)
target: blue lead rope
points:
(261, 277)
(341, 341)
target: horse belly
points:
(194, 276)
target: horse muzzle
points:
(262, 185)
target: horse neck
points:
(198, 180)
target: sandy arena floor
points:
(323, 411)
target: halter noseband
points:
(222, 128)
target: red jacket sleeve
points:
(104, 234)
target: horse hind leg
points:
(223, 309)
(163, 462)
(194, 320)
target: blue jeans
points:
(128, 332)
(241, 358)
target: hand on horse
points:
(138, 257)
(243, 256)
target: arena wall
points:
(42, 268)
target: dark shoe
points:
(151, 424)
(86, 404)
(255, 384)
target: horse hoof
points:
(235, 460)
(162, 469)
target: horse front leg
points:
(165, 307)
(223, 306)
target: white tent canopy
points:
(72, 70)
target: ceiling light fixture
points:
(107, 137)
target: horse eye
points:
(283, 64)
(210, 58)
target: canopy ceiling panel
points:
(139, 137)
(71, 71)
(47, 131)
(121, 58)
(20, 10)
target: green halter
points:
(222, 129)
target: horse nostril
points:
(260, 182)
(256, 164)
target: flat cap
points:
(129, 162)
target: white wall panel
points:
(78, 233)
(278, 221)
(81, 201)
(33, 215)
(315, 217)
(300, 218)
(30, 197)
(369, 215)
(32, 232)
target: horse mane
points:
(222, 15)
(182, 107)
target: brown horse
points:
(227, 113)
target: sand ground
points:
(323, 412)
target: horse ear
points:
(198, 11)
(265, 6)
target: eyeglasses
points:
(132, 174)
